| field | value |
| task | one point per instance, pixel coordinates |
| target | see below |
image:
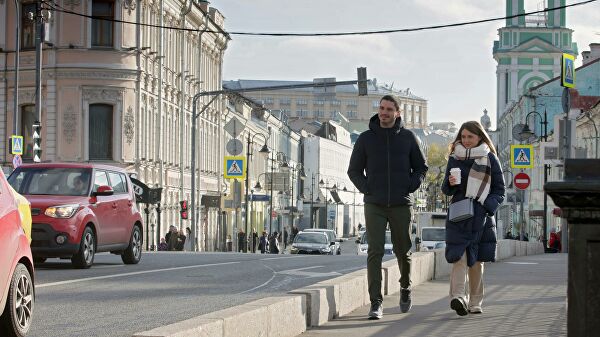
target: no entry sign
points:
(522, 181)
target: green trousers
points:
(377, 218)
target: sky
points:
(453, 68)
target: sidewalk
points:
(524, 296)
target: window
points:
(301, 113)
(103, 30)
(351, 103)
(319, 102)
(375, 104)
(351, 114)
(285, 101)
(100, 179)
(116, 182)
(100, 130)
(27, 119)
(318, 113)
(301, 101)
(27, 26)
(335, 102)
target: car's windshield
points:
(51, 181)
(388, 238)
(434, 234)
(329, 233)
(310, 238)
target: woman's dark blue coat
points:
(476, 235)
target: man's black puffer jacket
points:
(387, 165)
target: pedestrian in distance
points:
(241, 241)
(263, 241)
(254, 240)
(162, 246)
(274, 243)
(172, 238)
(387, 165)
(285, 238)
(187, 245)
(554, 242)
(471, 242)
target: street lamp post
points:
(301, 176)
(263, 151)
(527, 132)
(312, 200)
(327, 188)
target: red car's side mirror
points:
(104, 190)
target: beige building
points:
(121, 94)
(340, 103)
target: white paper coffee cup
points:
(455, 172)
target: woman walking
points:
(472, 241)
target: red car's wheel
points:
(16, 319)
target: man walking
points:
(387, 165)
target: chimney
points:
(592, 54)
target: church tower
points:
(529, 49)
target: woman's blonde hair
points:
(475, 128)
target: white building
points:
(336, 203)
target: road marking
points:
(308, 274)
(522, 262)
(262, 285)
(130, 274)
(278, 258)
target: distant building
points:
(340, 103)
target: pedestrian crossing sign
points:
(235, 167)
(17, 144)
(521, 156)
(567, 74)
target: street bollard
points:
(578, 196)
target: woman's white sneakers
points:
(475, 310)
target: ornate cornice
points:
(26, 96)
(103, 94)
(96, 74)
(72, 3)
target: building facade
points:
(121, 94)
(340, 103)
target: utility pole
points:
(17, 60)
(39, 31)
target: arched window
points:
(100, 131)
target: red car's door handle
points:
(129, 203)
(114, 205)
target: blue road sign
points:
(259, 197)
(521, 156)
(235, 167)
(16, 145)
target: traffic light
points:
(362, 81)
(37, 142)
(184, 209)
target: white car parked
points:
(363, 245)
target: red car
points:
(16, 267)
(80, 209)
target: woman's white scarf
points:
(480, 175)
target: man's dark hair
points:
(391, 99)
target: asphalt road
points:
(112, 299)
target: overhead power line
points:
(387, 31)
